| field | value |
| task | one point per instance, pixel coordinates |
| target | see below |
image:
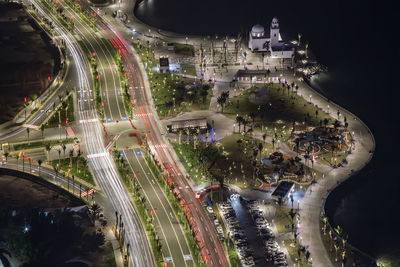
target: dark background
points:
(357, 40)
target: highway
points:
(173, 239)
(110, 85)
(100, 162)
(211, 248)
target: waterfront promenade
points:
(312, 205)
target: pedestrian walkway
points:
(312, 204)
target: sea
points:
(357, 41)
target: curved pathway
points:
(312, 204)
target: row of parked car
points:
(237, 234)
(272, 250)
(220, 231)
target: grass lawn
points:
(191, 159)
(99, 1)
(232, 159)
(78, 169)
(195, 251)
(66, 111)
(282, 220)
(238, 154)
(42, 144)
(233, 256)
(108, 255)
(172, 93)
(281, 109)
(188, 69)
(184, 49)
(327, 157)
(293, 253)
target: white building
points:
(259, 41)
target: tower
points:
(274, 32)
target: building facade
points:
(260, 42)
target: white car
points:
(216, 222)
(210, 209)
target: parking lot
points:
(251, 233)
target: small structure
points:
(258, 41)
(164, 65)
(183, 124)
(282, 190)
(170, 46)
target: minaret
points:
(274, 32)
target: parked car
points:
(210, 209)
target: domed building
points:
(260, 42)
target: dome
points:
(257, 29)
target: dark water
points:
(356, 40)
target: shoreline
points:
(325, 186)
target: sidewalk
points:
(312, 204)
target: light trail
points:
(103, 167)
(206, 237)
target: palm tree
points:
(299, 37)
(221, 101)
(48, 148)
(40, 164)
(56, 169)
(64, 147)
(260, 147)
(244, 122)
(187, 135)
(264, 136)
(42, 130)
(71, 155)
(239, 120)
(325, 221)
(27, 131)
(84, 163)
(77, 159)
(207, 134)
(3, 259)
(225, 94)
(195, 136)
(59, 156)
(95, 209)
(252, 115)
(18, 156)
(307, 49)
(336, 246)
(180, 132)
(297, 142)
(6, 155)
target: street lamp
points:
(310, 98)
(328, 109)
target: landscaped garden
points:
(283, 219)
(173, 93)
(184, 49)
(265, 106)
(64, 115)
(296, 253)
(73, 166)
(39, 144)
(230, 159)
